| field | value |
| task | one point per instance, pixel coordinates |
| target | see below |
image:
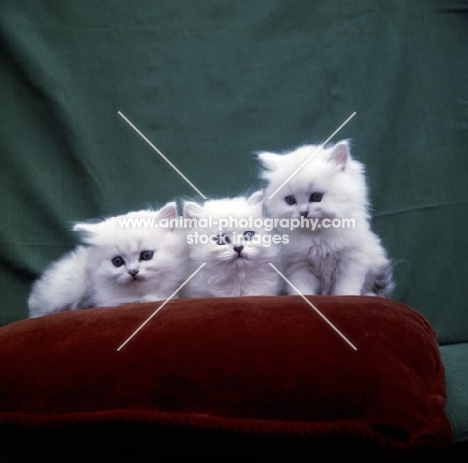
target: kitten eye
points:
(290, 200)
(146, 255)
(248, 235)
(316, 197)
(118, 261)
(221, 239)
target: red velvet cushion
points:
(226, 374)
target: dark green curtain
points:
(211, 82)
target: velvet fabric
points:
(268, 370)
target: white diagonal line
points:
(312, 155)
(315, 308)
(164, 157)
(163, 304)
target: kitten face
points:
(128, 262)
(236, 256)
(238, 244)
(229, 246)
(131, 254)
(329, 184)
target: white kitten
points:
(123, 262)
(237, 257)
(332, 259)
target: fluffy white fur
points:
(228, 272)
(151, 267)
(338, 261)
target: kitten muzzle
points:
(133, 272)
(238, 249)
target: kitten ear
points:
(255, 198)
(269, 161)
(192, 210)
(340, 154)
(168, 212)
(86, 231)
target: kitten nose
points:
(133, 272)
(238, 249)
(303, 213)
